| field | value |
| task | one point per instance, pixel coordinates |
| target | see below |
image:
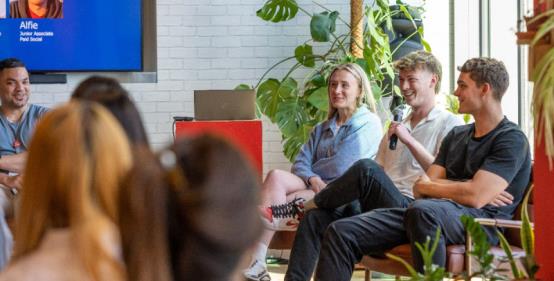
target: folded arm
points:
(484, 188)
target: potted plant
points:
(297, 106)
(529, 264)
(431, 272)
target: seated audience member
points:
(17, 120)
(65, 227)
(36, 9)
(387, 181)
(193, 216)
(352, 132)
(109, 93)
(475, 164)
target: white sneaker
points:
(284, 217)
(257, 272)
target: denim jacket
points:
(330, 152)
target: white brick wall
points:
(207, 44)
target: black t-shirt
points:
(503, 151)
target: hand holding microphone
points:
(397, 117)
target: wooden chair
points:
(457, 260)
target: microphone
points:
(397, 117)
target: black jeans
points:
(347, 240)
(366, 182)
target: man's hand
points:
(423, 179)
(503, 199)
(400, 131)
(317, 184)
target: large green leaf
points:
(320, 99)
(293, 143)
(323, 25)
(268, 97)
(278, 10)
(291, 116)
(304, 55)
(508, 250)
(288, 88)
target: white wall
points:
(207, 44)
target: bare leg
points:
(278, 184)
(279, 188)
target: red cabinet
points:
(245, 134)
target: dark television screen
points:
(83, 36)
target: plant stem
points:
(271, 68)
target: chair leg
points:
(367, 275)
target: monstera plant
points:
(297, 106)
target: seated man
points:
(388, 181)
(475, 164)
(17, 119)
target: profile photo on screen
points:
(36, 9)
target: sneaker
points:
(284, 217)
(257, 272)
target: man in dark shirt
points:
(482, 170)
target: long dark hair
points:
(206, 193)
(110, 93)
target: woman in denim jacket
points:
(351, 132)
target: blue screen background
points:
(92, 36)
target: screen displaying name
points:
(72, 35)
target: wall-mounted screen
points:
(71, 35)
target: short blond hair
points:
(421, 60)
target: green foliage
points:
(453, 105)
(509, 256)
(278, 10)
(480, 250)
(528, 240)
(296, 107)
(431, 272)
(304, 55)
(323, 25)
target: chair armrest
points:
(501, 223)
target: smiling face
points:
(14, 87)
(418, 87)
(344, 90)
(468, 93)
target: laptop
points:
(224, 104)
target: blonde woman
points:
(351, 132)
(65, 224)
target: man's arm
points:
(13, 163)
(423, 157)
(481, 190)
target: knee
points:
(364, 165)
(419, 213)
(315, 221)
(336, 230)
(274, 179)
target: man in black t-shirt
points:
(482, 170)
